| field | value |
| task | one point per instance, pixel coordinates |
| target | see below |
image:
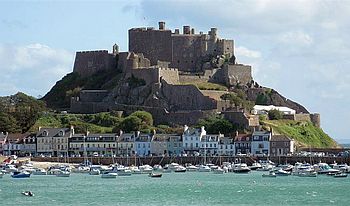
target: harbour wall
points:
(193, 160)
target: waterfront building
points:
(29, 145)
(126, 143)
(159, 144)
(209, 144)
(243, 143)
(175, 145)
(281, 145)
(14, 143)
(93, 144)
(3, 136)
(192, 138)
(143, 145)
(226, 146)
(53, 141)
(261, 143)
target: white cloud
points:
(296, 38)
(32, 68)
(243, 51)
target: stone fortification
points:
(314, 118)
(89, 62)
(184, 51)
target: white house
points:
(209, 144)
(263, 109)
(191, 139)
(260, 145)
(226, 146)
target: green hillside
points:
(305, 133)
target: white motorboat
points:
(135, 170)
(10, 168)
(63, 173)
(180, 169)
(255, 166)
(191, 168)
(124, 172)
(281, 172)
(158, 168)
(109, 175)
(324, 168)
(146, 169)
(172, 166)
(241, 168)
(307, 174)
(271, 174)
(39, 171)
(94, 172)
(22, 174)
(82, 169)
(204, 168)
(218, 170)
(340, 175)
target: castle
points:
(163, 63)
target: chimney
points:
(161, 25)
(39, 128)
(186, 29)
(192, 31)
(236, 133)
(177, 31)
(72, 130)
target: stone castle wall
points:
(88, 62)
(237, 73)
(154, 44)
(314, 118)
(155, 74)
(184, 51)
(186, 97)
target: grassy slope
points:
(207, 86)
(60, 120)
(305, 133)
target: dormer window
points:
(61, 133)
(45, 133)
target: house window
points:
(196, 144)
(273, 144)
(287, 144)
(186, 145)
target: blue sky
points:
(301, 48)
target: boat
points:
(94, 172)
(146, 169)
(324, 168)
(340, 175)
(135, 170)
(63, 173)
(241, 168)
(39, 171)
(28, 193)
(271, 174)
(180, 169)
(204, 168)
(219, 170)
(281, 172)
(22, 174)
(123, 172)
(158, 168)
(109, 175)
(255, 166)
(191, 168)
(308, 174)
(155, 175)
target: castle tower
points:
(161, 25)
(115, 49)
(187, 30)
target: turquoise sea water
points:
(177, 189)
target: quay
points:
(192, 159)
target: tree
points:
(131, 123)
(146, 117)
(274, 114)
(8, 123)
(216, 124)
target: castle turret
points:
(187, 30)
(161, 25)
(115, 49)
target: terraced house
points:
(53, 141)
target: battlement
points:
(93, 52)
